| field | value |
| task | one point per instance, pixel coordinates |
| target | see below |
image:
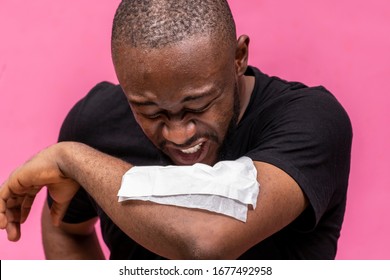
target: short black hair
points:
(159, 23)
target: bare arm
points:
(69, 241)
(181, 233)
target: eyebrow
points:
(142, 103)
(185, 99)
(195, 97)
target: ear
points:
(242, 52)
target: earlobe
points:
(242, 52)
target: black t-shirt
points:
(303, 131)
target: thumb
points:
(57, 212)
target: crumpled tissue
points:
(228, 187)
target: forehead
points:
(189, 65)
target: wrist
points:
(64, 154)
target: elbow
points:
(207, 254)
(206, 249)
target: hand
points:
(17, 194)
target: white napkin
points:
(227, 188)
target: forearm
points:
(166, 230)
(172, 232)
(62, 245)
(176, 232)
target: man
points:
(193, 99)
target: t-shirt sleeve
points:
(81, 207)
(309, 137)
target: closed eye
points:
(198, 110)
(152, 116)
(168, 115)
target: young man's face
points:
(184, 97)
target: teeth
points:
(192, 149)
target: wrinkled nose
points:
(178, 132)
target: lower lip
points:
(181, 158)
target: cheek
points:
(225, 112)
(219, 119)
(150, 128)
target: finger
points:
(13, 209)
(13, 215)
(3, 207)
(3, 218)
(13, 231)
(3, 221)
(26, 207)
(5, 192)
(14, 202)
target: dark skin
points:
(172, 106)
(190, 103)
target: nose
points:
(178, 132)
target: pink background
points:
(53, 52)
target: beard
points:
(223, 152)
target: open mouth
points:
(190, 155)
(193, 149)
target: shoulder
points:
(304, 131)
(291, 121)
(104, 104)
(103, 96)
(276, 102)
